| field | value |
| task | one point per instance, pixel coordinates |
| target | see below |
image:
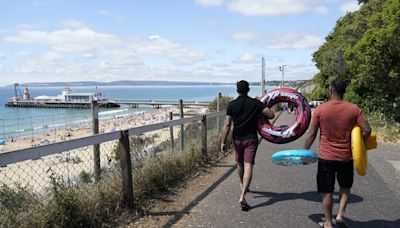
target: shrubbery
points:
(224, 101)
(95, 204)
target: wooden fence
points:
(122, 136)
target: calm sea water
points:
(26, 121)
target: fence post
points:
(96, 147)
(204, 138)
(182, 126)
(126, 169)
(218, 109)
(171, 131)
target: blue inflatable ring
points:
(294, 157)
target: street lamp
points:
(262, 76)
(282, 68)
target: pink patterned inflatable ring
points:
(302, 112)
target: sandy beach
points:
(116, 123)
(70, 164)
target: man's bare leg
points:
(344, 198)
(240, 168)
(327, 205)
(247, 175)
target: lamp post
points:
(282, 69)
(262, 76)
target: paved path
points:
(287, 197)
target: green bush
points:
(158, 173)
(62, 209)
(85, 177)
(137, 146)
(13, 202)
(223, 103)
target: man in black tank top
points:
(243, 112)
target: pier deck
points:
(113, 104)
(159, 103)
(49, 104)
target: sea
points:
(16, 122)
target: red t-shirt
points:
(336, 120)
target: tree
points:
(374, 61)
(368, 40)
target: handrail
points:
(54, 148)
(58, 147)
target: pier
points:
(159, 103)
(69, 99)
(55, 104)
(112, 104)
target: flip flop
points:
(323, 219)
(341, 223)
(245, 206)
(322, 224)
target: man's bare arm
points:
(366, 129)
(227, 128)
(268, 113)
(310, 136)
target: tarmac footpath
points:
(286, 196)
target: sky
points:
(169, 40)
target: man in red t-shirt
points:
(335, 119)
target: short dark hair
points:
(338, 86)
(242, 87)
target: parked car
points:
(314, 104)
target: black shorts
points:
(328, 170)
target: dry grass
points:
(100, 204)
(388, 130)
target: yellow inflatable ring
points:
(358, 150)
(371, 143)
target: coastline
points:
(69, 165)
(84, 128)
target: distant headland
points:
(143, 83)
(115, 83)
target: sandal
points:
(338, 221)
(341, 223)
(245, 206)
(322, 224)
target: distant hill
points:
(295, 84)
(116, 83)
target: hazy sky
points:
(179, 40)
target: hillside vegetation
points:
(364, 50)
